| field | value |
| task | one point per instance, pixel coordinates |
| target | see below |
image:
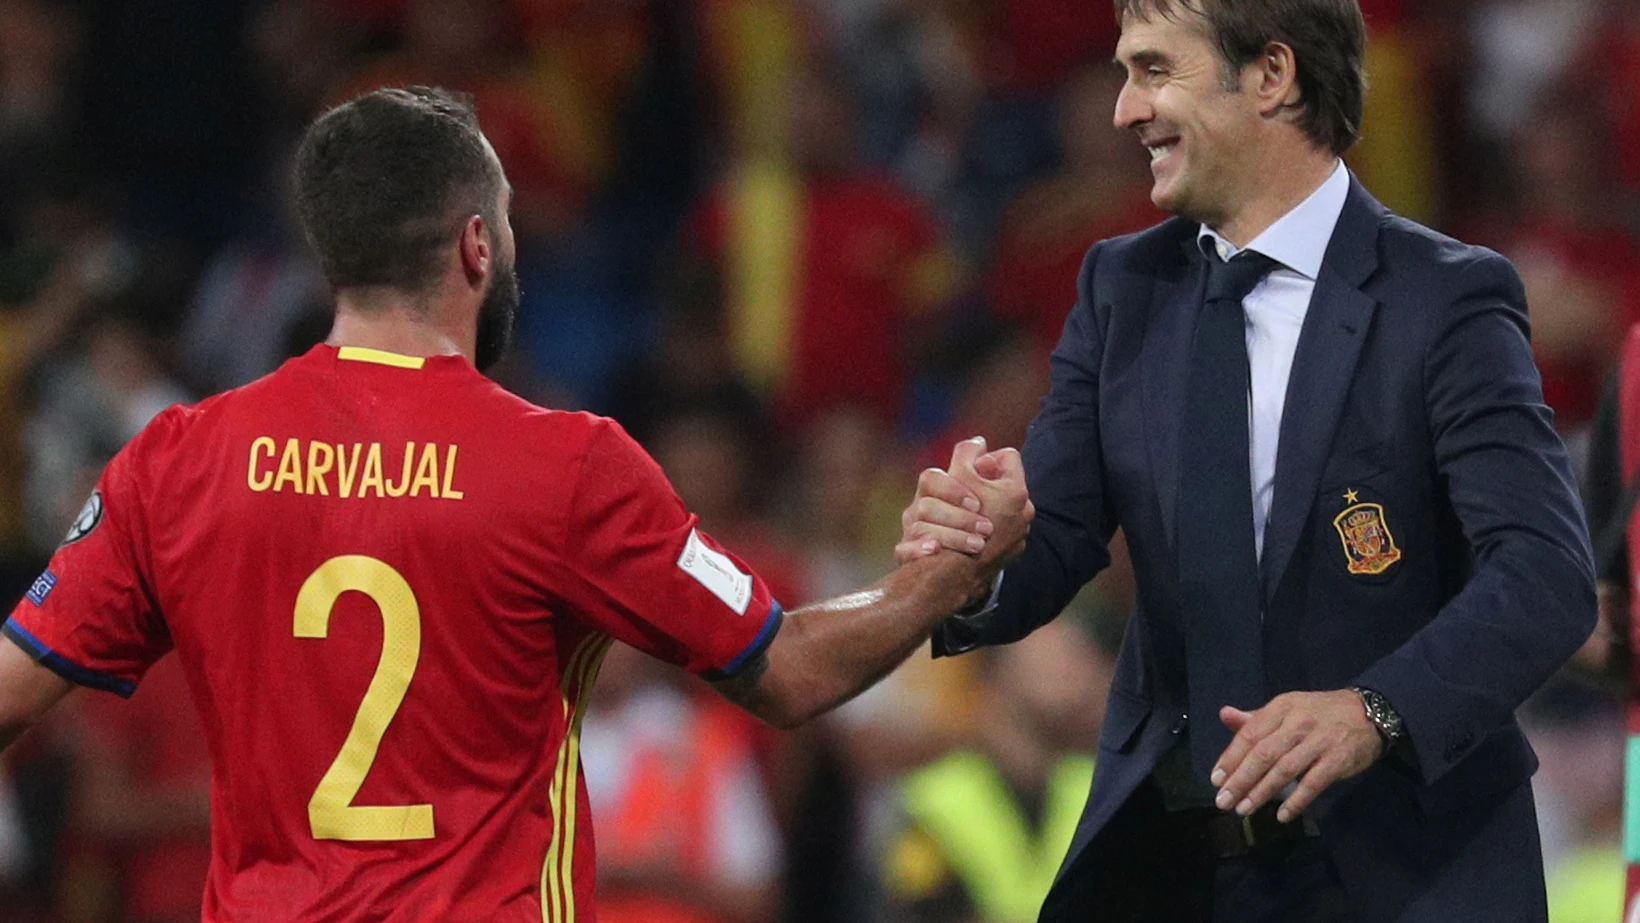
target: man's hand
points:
(948, 511)
(1004, 502)
(1314, 737)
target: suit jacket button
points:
(1179, 725)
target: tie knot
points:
(1233, 280)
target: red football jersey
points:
(390, 584)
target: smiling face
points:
(1197, 124)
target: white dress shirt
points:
(1275, 315)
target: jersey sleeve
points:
(91, 616)
(639, 567)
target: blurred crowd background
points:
(799, 248)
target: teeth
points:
(1158, 151)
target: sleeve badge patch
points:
(1368, 544)
(90, 517)
(716, 572)
(43, 585)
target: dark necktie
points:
(1218, 564)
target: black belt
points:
(1231, 836)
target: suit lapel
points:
(1329, 346)
(1174, 302)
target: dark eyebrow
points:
(1140, 60)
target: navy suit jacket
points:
(1413, 391)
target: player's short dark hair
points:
(383, 182)
(1328, 37)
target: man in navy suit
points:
(1354, 529)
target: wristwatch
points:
(1383, 716)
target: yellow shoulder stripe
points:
(380, 357)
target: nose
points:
(1132, 108)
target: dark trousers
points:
(1150, 866)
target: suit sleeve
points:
(639, 568)
(1065, 475)
(91, 617)
(1530, 600)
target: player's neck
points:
(405, 330)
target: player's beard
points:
(496, 316)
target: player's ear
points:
(475, 249)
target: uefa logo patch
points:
(90, 517)
(43, 585)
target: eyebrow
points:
(1143, 59)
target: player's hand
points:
(946, 513)
(1316, 738)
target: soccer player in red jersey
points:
(390, 583)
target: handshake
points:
(978, 507)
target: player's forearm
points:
(9, 733)
(831, 651)
(27, 691)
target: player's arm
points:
(90, 619)
(828, 652)
(27, 691)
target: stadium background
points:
(798, 248)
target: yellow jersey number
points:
(331, 811)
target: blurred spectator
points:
(465, 45)
(1615, 85)
(253, 293)
(1401, 133)
(939, 160)
(299, 50)
(1578, 734)
(691, 365)
(987, 826)
(66, 261)
(13, 846)
(40, 43)
(36, 776)
(170, 119)
(848, 460)
(1521, 48)
(1578, 260)
(1003, 379)
(826, 315)
(90, 405)
(754, 53)
(1101, 189)
(685, 831)
(827, 267)
(711, 456)
(141, 819)
(1037, 45)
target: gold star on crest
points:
(1349, 496)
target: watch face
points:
(1378, 710)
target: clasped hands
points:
(1312, 739)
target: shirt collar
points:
(1299, 239)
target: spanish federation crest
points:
(1367, 540)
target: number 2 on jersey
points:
(331, 811)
